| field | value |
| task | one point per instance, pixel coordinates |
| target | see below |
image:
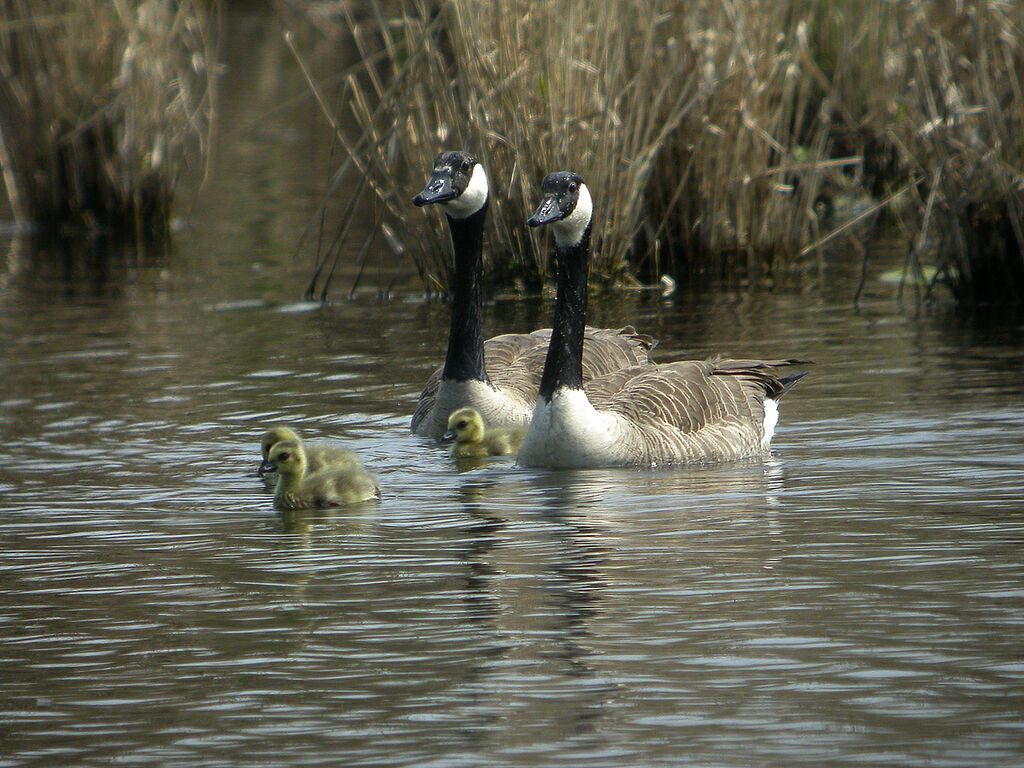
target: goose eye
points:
(573, 186)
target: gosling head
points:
(270, 438)
(276, 435)
(458, 183)
(287, 458)
(465, 426)
(566, 205)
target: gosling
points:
(473, 440)
(297, 488)
(320, 454)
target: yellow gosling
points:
(320, 454)
(297, 488)
(472, 439)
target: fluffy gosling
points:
(473, 440)
(319, 454)
(297, 488)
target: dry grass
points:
(714, 133)
(512, 82)
(101, 104)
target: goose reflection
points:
(535, 584)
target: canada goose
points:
(319, 454)
(297, 488)
(471, 439)
(690, 411)
(498, 377)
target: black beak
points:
(548, 212)
(438, 190)
(448, 437)
(266, 466)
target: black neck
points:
(564, 364)
(465, 359)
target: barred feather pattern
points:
(676, 413)
(514, 364)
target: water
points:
(854, 599)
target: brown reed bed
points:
(715, 135)
(102, 103)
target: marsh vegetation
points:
(722, 138)
(716, 136)
(102, 104)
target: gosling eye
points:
(284, 456)
(461, 425)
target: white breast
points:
(567, 432)
(496, 408)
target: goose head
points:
(458, 183)
(465, 426)
(270, 438)
(567, 206)
(287, 458)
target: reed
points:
(528, 87)
(715, 135)
(101, 106)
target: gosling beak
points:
(438, 190)
(548, 211)
(448, 437)
(266, 466)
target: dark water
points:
(855, 599)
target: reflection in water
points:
(338, 521)
(542, 563)
(844, 597)
(842, 602)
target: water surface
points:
(853, 599)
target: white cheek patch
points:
(570, 230)
(473, 197)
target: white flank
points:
(771, 418)
(472, 198)
(569, 230)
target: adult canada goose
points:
(691, 411)
(498, 377)
(472, 439)
(297, 488)
(320, 454)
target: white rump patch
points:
(569, 230)
(472, 198)
(771, 418)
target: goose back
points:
(320, 454)
(298, 488)
(514, 364)
(676, 413)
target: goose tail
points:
(788, 382)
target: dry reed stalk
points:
(706, 128)
(969, 98)
(101, 105)
(529, 88)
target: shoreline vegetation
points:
(718, 136)
(102, 103)
(721, 137)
